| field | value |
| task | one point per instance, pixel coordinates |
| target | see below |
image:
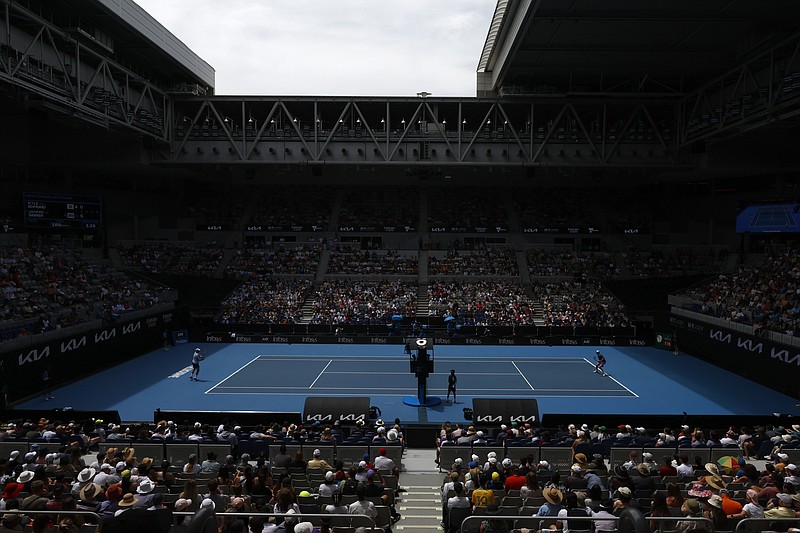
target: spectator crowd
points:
(50, 287)
(278, 258)
(480, 303)
(265, 301)
(175, 258)
(579, 304)
(362, 302)
(766, 295)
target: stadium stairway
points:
(226, 258)
(421, 504)
(522, 266)
(422, 301)
(307, 309)
(116, 259)
(423, 267)
(324, 259)
(538, 308)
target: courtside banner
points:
(769, 363)
(70, 356)
(265, 338)
(505, 411)
(328, 410)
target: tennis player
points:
(452, 379)
(196, 358)
(599, 363)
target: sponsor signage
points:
(329, 409)
(569, 230)
(469, 229)
(505, 411)
(228, 337)
(377, 229)
(69, 356)
(258, 228)
(215, 227)
(767, 362)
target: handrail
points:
(743, 523)
(357, 520)
(30, 512)
(667, 519)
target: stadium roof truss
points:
(54, 69)
(600, 108)
(762, 90)
(546, 131)
(734, 63)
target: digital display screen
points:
(62, 212)
(769, 218)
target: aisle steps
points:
(421, 504)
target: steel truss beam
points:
(39, 58)
(589, 131)
(762, 90)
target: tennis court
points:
(334, 377)
(278, 378)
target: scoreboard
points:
(62, 212)
(665, 341)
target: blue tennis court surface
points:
(507, 378)
(773, 216)
(278, 377)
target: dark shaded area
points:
(650, 295)
(194, 291)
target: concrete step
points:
(421, 504)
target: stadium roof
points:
(667, 46)
(132, 35)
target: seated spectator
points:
(480, 303)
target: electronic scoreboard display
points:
(769, 218)
(62, 212)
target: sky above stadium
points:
(342, 47)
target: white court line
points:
(623, 386)
(410, 393)
(231, 375)
(349, 358)
(320, 374)
(432, 374)
(551, 361)
(181, 372)
(523, 375)
(352, 388)
(614, 380)
(573, 390)
(357, 359)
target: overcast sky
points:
(333, 47)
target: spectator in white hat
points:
(144, 493)
(488, 464)
(329, 486)
(316, 461)
(783, 509)
(647, 459)
(641, 437)
(476, 459)
(791, 476)
(30, 461)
